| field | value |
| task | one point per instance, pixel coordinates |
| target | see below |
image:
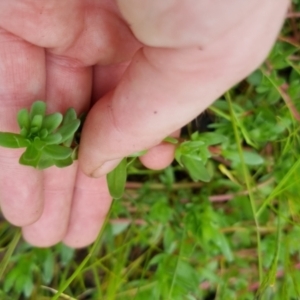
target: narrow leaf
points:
(70, 115)
(23, 118)
(196, 169)
(67, 131)
(24, 132)
(62, 163)
(52, 121)
(38, 144)
(116, 179)
(10, 249)
(13, 140)
(45, 162)
(57, 152)
(30, 157)
(210, 138)
(171, 140)
(138, 154)
(37, 108)
(36, 122)
(54, 138)
(43, 133)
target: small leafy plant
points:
(48, 139)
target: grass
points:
(235, 237)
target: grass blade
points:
(9, 252)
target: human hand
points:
(49, 53)
(48, 50)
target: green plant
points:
(234, 237)
(50, 140)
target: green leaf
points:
(57, 152)
(52, 121)
(36, 123)
(45, 162)
(48, 267)
(116, 179)
(23, 118)
(38, 144)
(37, 108)
(67, 131)
(171, 140)
(138, 154)
(70, 115)
(196, 169)
(54, 138)
(30, 157)
(210, 138)
(43, 133)
(250, 158)
(24, 132)
(62, 163)
(13, 140)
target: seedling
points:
(53, 140)
(48, 139)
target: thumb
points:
(163, 89)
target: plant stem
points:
(248, 184)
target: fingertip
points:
(38, 239)
(158, 157)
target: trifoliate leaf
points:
(37, 108)
(57, 152)
(116, 179)
(13, 140)
(67, 131)
(23, 119)
(52, 121)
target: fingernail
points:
(106, 168)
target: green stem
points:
(248, 184)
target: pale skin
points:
(150, 66)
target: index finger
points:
(22, 80)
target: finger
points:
(68, 85)
(88, 31)
(160, 156)
(89, 209)
(106, 78)
(163, 89)
(51, 227)
(22, 80)
(187, 23)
